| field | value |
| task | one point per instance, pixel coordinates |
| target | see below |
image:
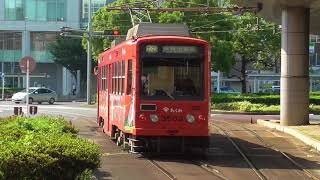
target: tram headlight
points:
(190, 118)
(154, 118)
(142, 117)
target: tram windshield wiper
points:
(168, 94)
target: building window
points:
(35, 10)
(10, 46)
(14, 9)
(41, 40)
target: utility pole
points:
(89, 56)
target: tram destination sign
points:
(171, 49)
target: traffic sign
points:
(24, 63)
(1, 75)
(27, 65)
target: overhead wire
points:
(231, 31)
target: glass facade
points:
(10, 46)
(95, 6)
(314, 50)
(14, 9)
(36, 10)
(40, 42)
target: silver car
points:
(36, 94)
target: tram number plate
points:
(172, 132)
(171, 118)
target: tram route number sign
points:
(24, 63)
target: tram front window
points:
(172, 78)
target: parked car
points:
(36, 94)
(273, 89)
(226, 90)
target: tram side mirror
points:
(96, 70)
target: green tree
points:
(109, 20)
(255, 43)
(69, 53)
(198, 23)
(235, 40)
(204, 25)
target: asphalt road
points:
(264, 150)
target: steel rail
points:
(244, 156)
(207, 168)
(301, 167)
(285, 155)
(164, 171)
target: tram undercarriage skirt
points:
(168, 144)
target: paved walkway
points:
(309, 134)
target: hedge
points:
(246, 106)
(44, 148)
(12, 90)
(256, 99)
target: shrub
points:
(246, 106)
(267, 99)
(44, 148)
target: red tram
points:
(153, 93)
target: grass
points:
(310, 130)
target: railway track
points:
(204, 166)
(285, 155)
(163, 170)
(241, 152)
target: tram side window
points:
(129, 79)
(119, 77)
(113, 78)
(105, 86)
(101, 74)
(100, 77)
(122, 76)
(103, 78)
(118, 84)
(116, 77)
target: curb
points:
(306, 139)
(245, 113)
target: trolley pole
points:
(89, 56)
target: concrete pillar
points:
(295, 66)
